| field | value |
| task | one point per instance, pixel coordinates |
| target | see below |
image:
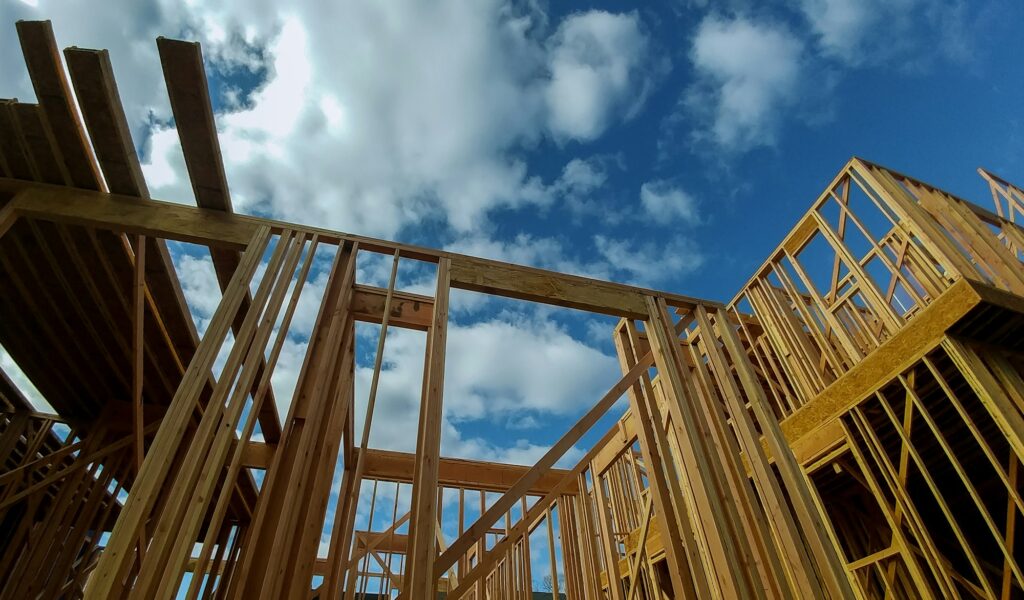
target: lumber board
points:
(52, 93)
(919, 336)
(461, 473)
(182, 64)
(411, 311)
(115, 212)
(187, 89)
(92, 77)
(218, 229)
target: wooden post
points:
(277, 556)
(820, 546)
(419, 580)
(341, 534)
(700, 466)
(681, 553)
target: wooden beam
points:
(387, 542)
(456, 472)
(257, 455)
(411, 311)
(96, 91)
(130, 215)
(182, 64)
(218, 229)
(926, 330)
(537, 285)
(53, 94)
(185, 76)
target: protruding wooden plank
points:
(53, 94)
(96, 90)
(189, 94)
(193, 116)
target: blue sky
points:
(670, 145)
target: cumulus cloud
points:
(860, 32)
(521, 452)
(842, 24)
(199, 286)
(650, 263)
(367, 117)
(494, 369)
(667, 202)
(594, 70)
(581, 177)
(754, 72)
(749, 72)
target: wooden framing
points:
(850, 425)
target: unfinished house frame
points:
(848, 426)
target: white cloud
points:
(522, 452)
(650, 263)
(666, 202)
(594, 65)
(842, 24)
(494, 369)
(199, 286)
(912, 32)
(754, 73)
(369, 116)
(581, 177)
(749, 72)
(503, 366)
